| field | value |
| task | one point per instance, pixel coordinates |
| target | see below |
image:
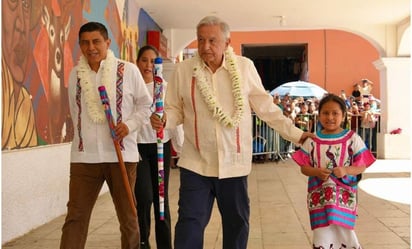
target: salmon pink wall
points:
(350, 58)
(336, 59)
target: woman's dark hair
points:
(94, 26)
(335, 98)
(144, 49)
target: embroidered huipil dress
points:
(332, 203)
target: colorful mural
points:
(18, 120)
(129, 44)
(39, 49)
(52, 57)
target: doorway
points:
(278, 63)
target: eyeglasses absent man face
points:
(211, 45)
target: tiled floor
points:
(279, 217)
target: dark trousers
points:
(86, 181)
(196, 197)
(147, 194)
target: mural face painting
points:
(18, 121)
(40, 48)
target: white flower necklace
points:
(211, 101)
(91, 94)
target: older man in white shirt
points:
(212, 95)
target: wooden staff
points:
(106, 104)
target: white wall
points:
(178, 39)
(395, 85)
(35, 185)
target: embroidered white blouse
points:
(209, 148)
(96, 138)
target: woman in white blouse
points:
(147, 188)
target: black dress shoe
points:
(144, 245)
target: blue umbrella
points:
(299, 89)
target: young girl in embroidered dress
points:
(333, 161)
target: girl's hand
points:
(324, 173)
(339, 172)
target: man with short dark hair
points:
(93, 156)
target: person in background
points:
(287, 99)
(312, 109)
(147, 183)
(286, 147)
(366, 88)
(368, 123)
(343, 96)
(277, 101)
(299, 100)
(313, 112)
(285, 102)
(294, 105)
(354, 118)
(374, 104)
(212, 95)
(356, 93)
(94, 159)
(333, 161)
(304, 120)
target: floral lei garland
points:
(211, 101)
(92, 98)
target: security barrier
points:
(268, 145)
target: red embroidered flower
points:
(345, 197)
(328, 193)
(315, 198)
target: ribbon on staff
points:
(106, 105)
(158, 98)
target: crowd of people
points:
(363, 113)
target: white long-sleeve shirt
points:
(97, 142)
(209, 148)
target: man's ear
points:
(227, 42)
